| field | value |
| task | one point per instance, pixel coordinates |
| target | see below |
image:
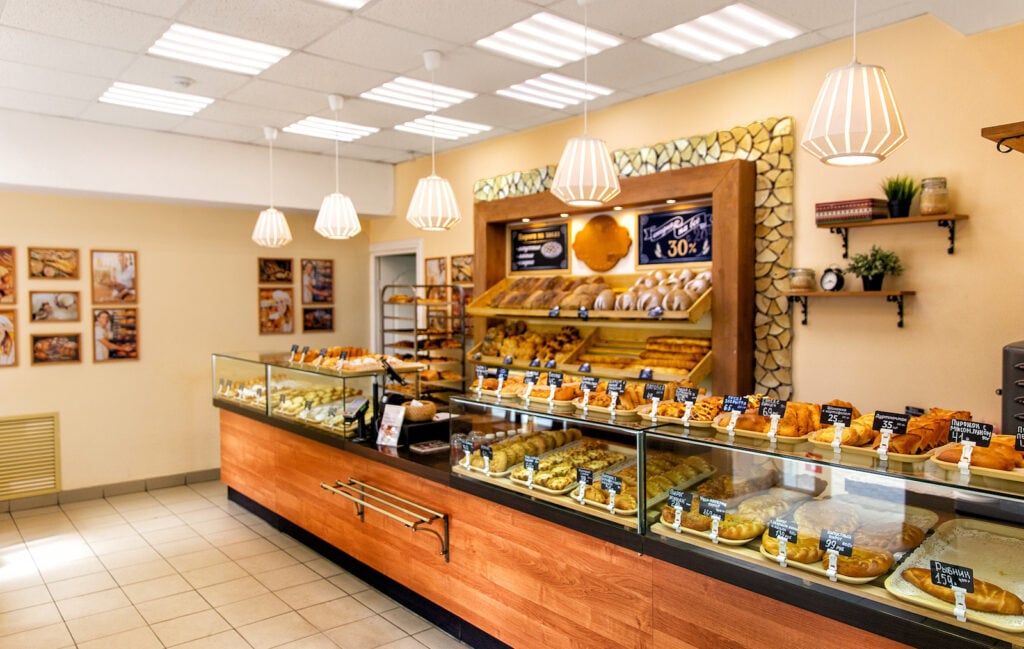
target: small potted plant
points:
(874, 266)
(900, 192)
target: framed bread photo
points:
(53, 263)
(317, 281)
(7, 275)
(48, 349)
(8, 338)
(115, 334)
(276, 312)
(275, 270)
(318, 319)
(56, 306)
(114, 277)
(462, 269)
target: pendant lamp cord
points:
(271, 142)
(586, 71)
(337, 129)
(854, 31)
(433, 125)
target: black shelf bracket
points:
(845, 234)
(1001, 144)
(950, 225)
(898, 299)
(802, 299)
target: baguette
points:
(986, 597)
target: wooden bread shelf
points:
(890, 296)
(1008, 137)
(947, 221)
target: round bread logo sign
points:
(551, 249)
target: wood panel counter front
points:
(525, 581)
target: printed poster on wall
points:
(674, 237)
(543, 247)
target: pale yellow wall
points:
(969, 305)
(128, 420)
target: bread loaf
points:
(986, 597)
(605, 300)
(864, 562)
(994, 457)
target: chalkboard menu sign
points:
(674, 237)
(543, 247)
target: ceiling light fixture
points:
(585, 176)
(554, 91)
(433, 206)
(855, 119)
(330, 130)
(547, 40)
(443, 127)
(216, 50)
(163, 101)
(337, 218)
(730, 31)
(413, 93)
(271, 229)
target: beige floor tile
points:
(110, 546)
(25, 514)
(107, 532)
(249, 519)
(141, 638)
(220, 539)
(59, 550)
(139, 572)
(53, 636)
(349, 583)
(318, 641)
(97, 521)
(335, 613)
(376, 602)
(406, 620)
(105, 600)
(277, 630)
(310, 594)
(190, 627)
(103, 624)
(12, 600)
(129, 557)
(210, 489)
(83, 585)
(217, 574)
(287, 577)
(31, 617)
(224, 640)
(232, 591)
(144, 514)
(280, 539)
(174, 494)
(248, 548)
(144, 591)
(194, 560)
(324, 567)
(56, 571)
(127, 502)
(158, 523)
(253, 609)
(182, 546)
(205, 513)
(435, 638)
(265, 530)
(215, 525)
(17, 576)
(365, 634)
(184, 506)
(267, 561)
(172, 606)
(403, 643)
(302, 553)
(87, 509)
(157, 538)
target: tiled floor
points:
(183, 567)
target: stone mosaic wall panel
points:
(768, 143)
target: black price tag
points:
(486, 451)
(970, 431)
(833, 415)
(295, 348)
(1019, 442)
(712, 508)
(654, 391)
(683, 395)
(952, 576)
(507, 360)
(555, 379)
(611, 483)
(553, 313)
(585, 476)
(332, 411)
(323, 352)
(681, 499)
(309, 404)
(617, 386)
(583, 313)
(502, 373)
(481, 371)
(656, 312)
(646, 374)
(551, 364)
(532, 376)
(344, 355)
(467, 447)
(589, 383)
(734, 404)
(841, 543)
(535, 362)
(894, 421)
(305, 350)
(783, 530)
(531, 462)
(772, 407)
(585, 367)
(913, 411)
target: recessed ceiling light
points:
(547, 40)
(554, 91)
(564, 215)
(442, 127)
(525, 220)
(727, 32)
(330, 129)
(351, 5)
(164, 101)
(217, 50)
(617, 208)
(421, 95)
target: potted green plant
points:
(900, 191)
(874, 266)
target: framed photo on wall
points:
(318, 319)
(54, 306)
(53, 263)
(435, 274)
(462, 269)
(317, 281)
(274, 270)
(276, 312)
(56, 348)
(8, 338)
(7, 276)
(114, 279)
(115, 334)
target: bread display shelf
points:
(981, 476)
(867, 456)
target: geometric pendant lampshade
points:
(433, 207)
(271, 229)
(585, 174)
(337, 218)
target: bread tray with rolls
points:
(817, 569)
(597, 482)
(644, 412)
(628, 451)
(867, 456)
(982, 476)
(665, 527)
(620, 413)
(761, 437)
(980, 545)
(654, 500)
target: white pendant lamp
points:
(855, 119)
(586, 175)
(337, 218)
(433, 207)
(271, 229)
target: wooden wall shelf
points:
(1008, 137)
(947, 221)
(890, 296)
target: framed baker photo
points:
(47, 306)
(317, 281)
(48, 349)
(318, 319)
(8, 338)
(435, 276)
(115, 334)
(7, 275)
(53, 263)
(274, 270)
(277, 315)
(114, 277)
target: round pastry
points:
(696, 521)
(864, 562)
(819, 515)
(698, 285)
(762, 508)
(805, 550)
(891, 537)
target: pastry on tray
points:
(986, 597)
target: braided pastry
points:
(805, 550)
(986, 597)
(864, 562)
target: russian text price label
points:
(654, 391)
(893, 421)
(680, 499)
(618, 386)
(502, 373)
(585, 476)
(555, 379)
(531, 462)
(589, 383)
(951, 575)
(481, 371)
(734, 404)
(532, 376)
(970, 431)
(772, 407)
(833, 415)
(712, 508)
(611, 483)
(831, 541)
(783, 530)
(684, 395)
(487, 452)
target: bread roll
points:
(676, 300)
(648, 300)
(625, 301)
(986, 597)
(994, 457)
(605, 300)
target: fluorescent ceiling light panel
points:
(547, 40)
(164, 101)
(442, 127)
(421, 95)
(217, 50)
(351, 5)
(330, 129)
(724, 33)
(554, 91)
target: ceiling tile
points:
(33, 102)
(965, 16)
(274, 95)
(159, 73)
(217, 130)
(633, 63)
(500, 112)
(373, 154)
(59, 84)
(135, 117)
(254, 116)
(285, 23)
(325, 75)
(625, 18)
(359, 41)
(61, 54)
(165, 8)
(399, 141)
(375, 113)
(479, 71)
(86, 22)
(302, 143)
(454, 21)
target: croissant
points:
(986, 597)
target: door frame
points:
(388, 249)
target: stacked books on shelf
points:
(851, 211)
